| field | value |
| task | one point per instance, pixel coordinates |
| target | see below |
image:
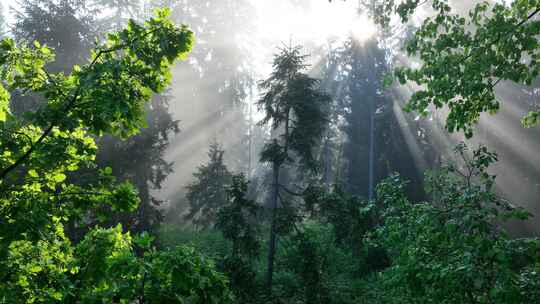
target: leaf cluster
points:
(463, 58)
(451, 249)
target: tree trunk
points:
(327, 174)
(371, 148)
(272, 240)
(274, 204)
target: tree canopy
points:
(41, 149)
(85, 130)
(464, 57)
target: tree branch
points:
(68, 108)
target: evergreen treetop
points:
(207, 193)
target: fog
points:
(253, 35)
(214, 91)
(518, 168)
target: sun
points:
(362, 28)
(313, 23)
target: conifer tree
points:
(123, 10)
(294, 106)
(66, 26)
(208, 192)
(237, 222)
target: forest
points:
(269, 151)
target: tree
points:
(351, 218)
(368, 141)
(64, 25)
(38, 152)
(294, 105)
(140, 159)
(123, 10)
(451, 249)
(208, 192)
(220, 82)
(70, 27)
(237, 221)
(311, 265)
(465, 57)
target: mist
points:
(284, 151)
(213, 93)
(235, 44)
(238, 54)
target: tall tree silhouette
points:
(208, 192)
(220, 81)
(122, 11)
(294, 106)
(370, 142)
(67, 26)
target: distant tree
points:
(369, 141)
(67, 26)
(140, 159)
(221, 78)
(208, 192)
(237, 221)
(293, 105)
(350, 216)
(311, 265)
(123, 10)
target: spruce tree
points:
(208, 192)
(237, 221)
(64, 25)
(294, 106)
(123, 10)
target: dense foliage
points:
(41, 148)
(237, 221)
(70, 27)
(450, 249)
(463, 57)
(83, 138)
